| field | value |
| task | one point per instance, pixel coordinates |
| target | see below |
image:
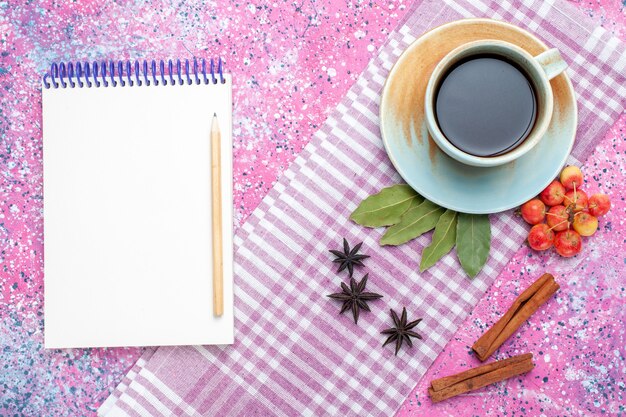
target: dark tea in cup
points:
(485, 105)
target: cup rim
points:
(541, 124)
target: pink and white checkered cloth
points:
(293, 354)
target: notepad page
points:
(127, 215)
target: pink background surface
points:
(292, 63)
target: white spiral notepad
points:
(127, 204)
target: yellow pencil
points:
(216, 198)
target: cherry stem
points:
(558, 224)
(575, 200)
(557, 215)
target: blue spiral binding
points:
(103, 74)
(62, 74)
(103, 70)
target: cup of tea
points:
(489, 102)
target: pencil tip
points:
(214, 114)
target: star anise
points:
(402, 332)
(349, 257)
(355, 298)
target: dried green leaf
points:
(386, 207)
(473, 240)
(443, 241)
(414, 203)
(416, 221)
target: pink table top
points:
(292, 64)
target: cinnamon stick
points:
(522, 308)
(447, 381)
(473, 379)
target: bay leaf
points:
(416, 221)
(414, 203)
(386, 207)
(443, 241)
(473, 241)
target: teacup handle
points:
(551, 62)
